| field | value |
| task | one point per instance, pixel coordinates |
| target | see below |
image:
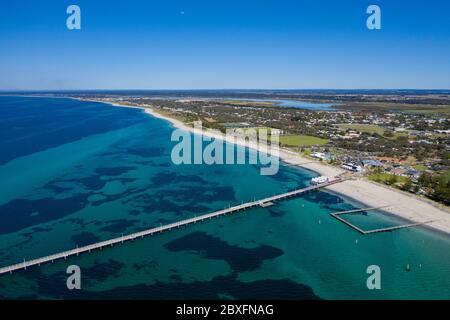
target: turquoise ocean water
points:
(73, 173)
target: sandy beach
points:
(401, 204)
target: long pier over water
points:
(109, 243)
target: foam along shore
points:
(370, 194)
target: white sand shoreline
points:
(405, 206)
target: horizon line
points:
(226, 89)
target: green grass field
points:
(368, 128)
(446, 175)
(420, 167)
(438, 110)
(403, 107)
(386, 178)
(301, 140)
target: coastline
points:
(399, 204)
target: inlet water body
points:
(293, 104)
(73, 173)
(277, 102)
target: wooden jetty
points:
(109, 243)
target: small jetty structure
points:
(337, 215)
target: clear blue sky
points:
(193, 44)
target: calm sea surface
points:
(73, 173)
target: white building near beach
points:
(319, 180)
